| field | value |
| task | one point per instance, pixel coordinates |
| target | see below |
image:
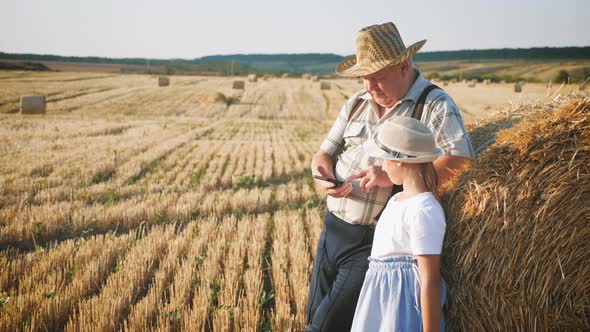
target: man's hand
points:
(328, 187)
(371, 177)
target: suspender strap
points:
(418, 110)
(355, 107)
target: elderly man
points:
(392, 87)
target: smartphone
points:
(323, 178)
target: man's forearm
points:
(324, 160)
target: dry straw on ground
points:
(325, 86)
(217, 97)
(516, 252)
(32, 104)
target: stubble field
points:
(130, 206)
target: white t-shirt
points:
(414, 226)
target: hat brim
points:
(350, 68)
(373, 150)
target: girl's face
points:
(395, 171)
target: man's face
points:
(386, 85)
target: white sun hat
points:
(402, 139)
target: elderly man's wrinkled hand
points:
(340, 191)
(329, 188)
(371, 177)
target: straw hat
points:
(377, 46)
(403, 139)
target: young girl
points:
(403, 289)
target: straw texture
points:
(518, 228)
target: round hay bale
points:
(471, 84)
(32, 105)
(252, 78)
(315, 78)
(325, 86)
(517, 87)
(238, 85)
(163, 81)
(518, 229)
(445, 83)
(285, 75)
(306, 76)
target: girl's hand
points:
(371, 177)
(430, 291)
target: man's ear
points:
(405, 67)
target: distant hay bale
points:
(306, 76)
(252, 78)
(487, 81)
(315, 78)
(32, 105)
(285, 75)
(267, 77)
(238, 85)
(517, 242)
(325, 86)
(517, 87)
(445, 83)
(454, 80)
(163, 81)
(471, 84)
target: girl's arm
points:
(430, 291)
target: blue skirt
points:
(390, 297)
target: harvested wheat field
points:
(127, 206)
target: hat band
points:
(391, 153)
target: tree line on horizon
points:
(316, 63)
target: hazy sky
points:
(189, 29)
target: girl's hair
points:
(430, 177)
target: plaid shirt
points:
(345, 139)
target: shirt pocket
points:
(353, 134)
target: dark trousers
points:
(338, 273)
